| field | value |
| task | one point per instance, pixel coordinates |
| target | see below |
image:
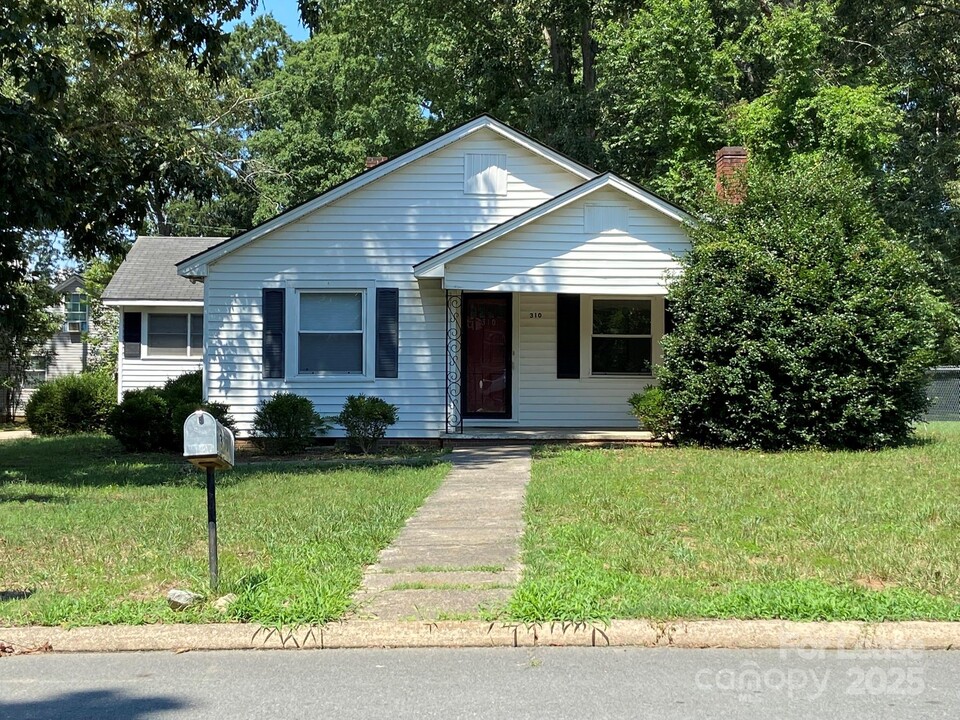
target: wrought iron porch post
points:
(454, 344)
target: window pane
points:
(331, 352)
(196, 335)
(331, 311)
(621, 317)
(622, 355)
(167, 335)
(76, 307)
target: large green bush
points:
(72, 404)
(800, 321)
(365, 419)
(287, 423)
(151, 420)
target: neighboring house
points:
(480, 280)
(67, 352)
(161, 321)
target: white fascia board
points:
(154, 303)
(198, 266)
(434, 266)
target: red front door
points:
(487, 334)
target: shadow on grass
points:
(92, 704)
(9, 495)
(6, 595)
(99, 461)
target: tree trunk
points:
(588, 53)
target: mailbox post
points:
(209, 445)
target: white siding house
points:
(480, 280)
(161, 313)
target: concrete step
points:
(430, 604)
(460, 580)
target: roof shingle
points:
(149, 272)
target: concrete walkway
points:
(14, 434)
(460, 553)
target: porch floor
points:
(508, 435)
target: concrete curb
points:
(735, 634)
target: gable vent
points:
(484, 174)
(605, 218)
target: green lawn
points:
(92, 535)
(686, 533)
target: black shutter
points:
(388, 328)
(132, 334)
(668, 323)
(273, 341)
(568, 336)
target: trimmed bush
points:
(287, 423)
(151, 420)
(366, 419)
(650, 408)
(141, 422)
(72, 404)
(800, 320)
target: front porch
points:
(546, 367)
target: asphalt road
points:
(484, 683)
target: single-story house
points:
(480, 280)
(161, 313)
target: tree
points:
(103, 333)
(26, 330)
(801, 320)
(320, 116)
(78, 151)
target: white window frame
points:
(586, 334)
(292, 331)
(85, 301)
(190, 356)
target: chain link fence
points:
(944, 393)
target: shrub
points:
(800, 320)
(72, 404)
(141, 422)
(366, 419)
(151, 420)
(650, 408)
(286, 423)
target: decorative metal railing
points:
(454, 345)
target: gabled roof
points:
(433, 266)
(196, 266)
(149, 272)
(68, 283)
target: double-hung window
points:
(175, 335)
(76, 312)
(621, 339)
(331, 333)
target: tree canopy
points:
(120, 116)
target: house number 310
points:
(537, 316)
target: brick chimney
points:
(374, 160)
(731, 161)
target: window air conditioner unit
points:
(75, 326)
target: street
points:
(484, 683)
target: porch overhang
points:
(555, 248)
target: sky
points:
(286, 12)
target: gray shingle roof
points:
(149, 272)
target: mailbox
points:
(207, 443)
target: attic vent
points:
(484, 174)
(605, 218)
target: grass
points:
(89, 535)
(693, 533)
